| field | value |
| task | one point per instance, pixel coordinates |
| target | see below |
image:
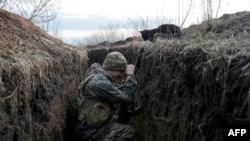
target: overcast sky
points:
(79, 19)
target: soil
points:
(190, 89)
(37, 74)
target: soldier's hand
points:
(130, 69)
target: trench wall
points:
(188, 92)
(35, 90)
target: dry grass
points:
(39, 75)
(193, 88)
(35, 86)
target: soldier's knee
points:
(121, 132)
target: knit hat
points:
(115, 61)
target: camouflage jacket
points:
(101, 87)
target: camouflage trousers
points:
(110, 131)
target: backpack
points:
(95, 112)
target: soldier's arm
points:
(123, 94)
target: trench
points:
(192, 89)
(187, 93)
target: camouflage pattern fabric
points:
(86, 133)
(100, 87)
(119, 132)
(110, 131)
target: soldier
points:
(103, 87)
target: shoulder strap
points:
(84, 81)
(82, 84)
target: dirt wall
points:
(35, 91)
(188, 92)
(38, 78)
(190, 89)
